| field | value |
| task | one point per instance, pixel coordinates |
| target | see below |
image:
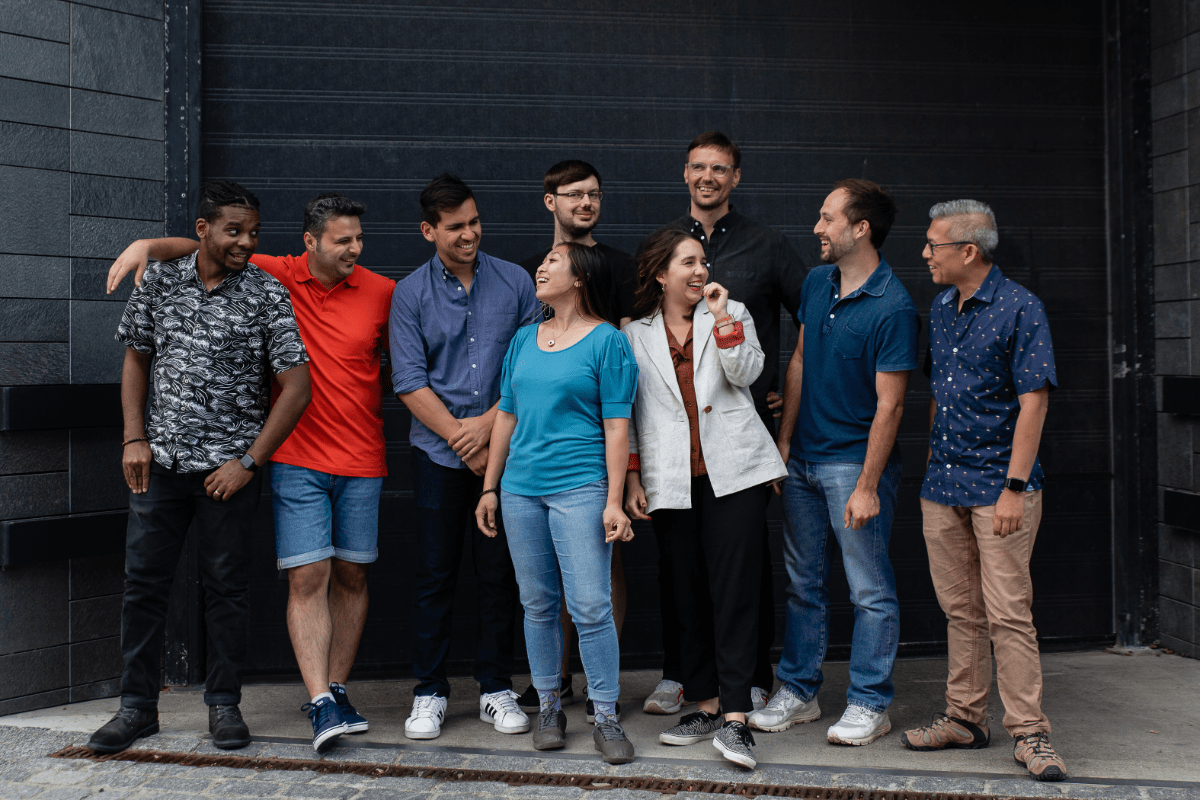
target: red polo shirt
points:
(344, 330)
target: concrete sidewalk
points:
(1126, 725)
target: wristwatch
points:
(1016, 484)
(247, 461)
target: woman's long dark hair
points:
(654, 258)
(595, 280)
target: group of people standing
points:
(549, 413)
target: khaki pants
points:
(983, 585)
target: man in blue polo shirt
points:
(843, 397)
(451, 322)
(991, 370)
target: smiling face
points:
(456, 235)
(707, 190)
(229, 240)
(686, 273)
(838, 236)
(576, 219)
(947, 265)
(555, 278)
(332, 256)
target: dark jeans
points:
(158, 525)
(445, 518)
(764, 673)
(715, 555)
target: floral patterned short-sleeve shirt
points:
(214, 352)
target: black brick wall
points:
(81, 174)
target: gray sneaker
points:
(783, 711)
(692, 728)
(551, 731)
(613, 744)
(734, 741)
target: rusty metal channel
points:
(666, 786)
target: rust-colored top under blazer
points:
(681, 357)
(344, 330)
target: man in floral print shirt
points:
(991, 371)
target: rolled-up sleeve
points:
(410, 370)
(136, 329)
(285, 348)
(1032, 360)
(618, 378)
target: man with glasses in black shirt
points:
(760, 268)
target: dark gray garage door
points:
(1001, 101)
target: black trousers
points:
(714, 554)
(158, 525)
(444, 518)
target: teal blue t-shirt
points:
(561, 399)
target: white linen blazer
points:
(738, 451)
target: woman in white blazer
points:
(700, 462)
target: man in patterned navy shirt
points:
(991, 370)
(208, 329)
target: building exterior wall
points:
(1175, 106)
(81, 174)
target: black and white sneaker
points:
(734, 741)
(692, 728)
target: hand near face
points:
(716, 296)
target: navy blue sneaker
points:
(355, 722)
(327, 722)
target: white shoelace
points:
(504, 702)
(429, 706)
(783, 700)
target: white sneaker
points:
(758, 698)
(783, 711)
(667, 698)
(859, 725)
(501, 709)
(425, 721)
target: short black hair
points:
(721, 142)
(325, 207)
(446, 192)
(570, 171)
(869, 201)
(215, 195)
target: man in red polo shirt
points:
(327, 476)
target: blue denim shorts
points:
(320, 516)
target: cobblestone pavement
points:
(27, 772)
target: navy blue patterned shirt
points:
(979, 361)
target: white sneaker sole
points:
(360, 727)
(667, 738)
(326, 738)
(788, 722)
(664, 707)
(486, 717)
(835, 739)
(433, 734)
(746, 761)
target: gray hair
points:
(970, 221)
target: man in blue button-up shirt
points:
(991, 370)
(843, 398)
(451, 322)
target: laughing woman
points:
(557, 462)
(701, 462)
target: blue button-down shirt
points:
(847, 339)
(980, 359)
(453, 341)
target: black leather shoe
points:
(129, 725)
(228, 729)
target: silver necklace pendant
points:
(550, 342)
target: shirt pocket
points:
(499, 326)
(851, 344)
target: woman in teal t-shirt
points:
(561, 443)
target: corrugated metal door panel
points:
(1003, 102)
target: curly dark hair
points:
(653, 258)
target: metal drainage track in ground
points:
(666, 786)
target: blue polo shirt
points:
(453, 341)
(846, 341)
(980, 360)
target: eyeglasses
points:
(576, 197)
(718, 170)
(933, 245)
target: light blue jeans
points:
(557, 545)
(814, 499)
(320, 516)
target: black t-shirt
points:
(621, 280)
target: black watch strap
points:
(247, 461)
(1016, 484)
